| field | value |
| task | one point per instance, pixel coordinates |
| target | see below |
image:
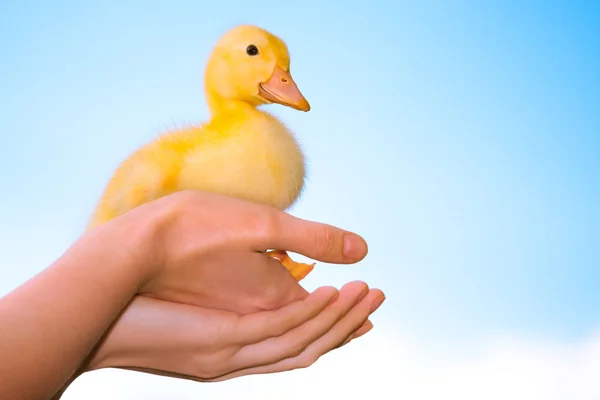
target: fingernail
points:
(377, 303)
(354, 247)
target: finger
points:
(253, 328)
(332, 339)
(366, 327)
(315, 240)
(357, 316)
(353, 321)
(346, 341)
(296, 340)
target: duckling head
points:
(250, 65)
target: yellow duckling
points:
(241, 152)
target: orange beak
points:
(282, 89)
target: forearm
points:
(49, 325)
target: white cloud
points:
(386, 367)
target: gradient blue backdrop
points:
(462, 141)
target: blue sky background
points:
(461, 140)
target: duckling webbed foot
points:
(298, 270)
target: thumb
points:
(315, 240)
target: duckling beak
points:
(282, 89)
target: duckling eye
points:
(251, 50)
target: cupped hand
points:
(208, 250)
(212, 345)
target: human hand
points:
(207, 250)
(203, 344)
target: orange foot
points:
(298, 270)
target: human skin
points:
(195, 248)
(215, 345)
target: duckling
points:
(241, 151)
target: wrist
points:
(142, 234)
(131, 239)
